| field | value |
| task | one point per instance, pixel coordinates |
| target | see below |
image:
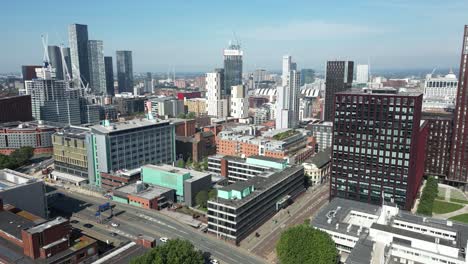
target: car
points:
(87, 225)
(113, 234)
(214, 261)
(163, 239)
(114, 224)
(74, 221)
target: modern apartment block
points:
(439, 143)
(217, 102)
(24, 192)
(323, 133)
(128, 145)
(15, 108)
(293, 145)
(109, 71)
(458, 172)
(367, 234)
(362, 73)
(239, 102)
(71, 151)
(124, 70)
(378, 146)
(240, 169)
(97, 71)
(196, 105)
(55, 60)
(440, 92)
(37, 135)
(241, 207)
(78, 40)
(339, 77)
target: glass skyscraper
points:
(109, 68)
(96, 66)
(124, 70)
(78, 40)
(232, 68)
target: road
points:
(135, 221)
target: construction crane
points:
(45, 58)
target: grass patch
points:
(460, 218)
(458, 201)
(440, 207)
(456, 194)
(441, 191)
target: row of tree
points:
(190, 115)
(429, 193)
(202, 197)
(173, 251)
(17, 158)
(190, 164)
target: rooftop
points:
(10, 179)
(385, 91)
(40, 228)
(127, 125)
(150, 192)
(30, 125)
(267, 158)
(321, 158)
(168, 168)
(13, 224)
(74, 132)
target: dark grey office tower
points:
(67, 58)
(109, 75)
(55, 60)
(307, 76)
(124, 70)
(339, 78)
(78, 40)
(232, 68)
(97, 71)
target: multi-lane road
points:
(135, 221)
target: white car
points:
(114, 224)
(214, 261)
(163, 239)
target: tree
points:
(181, 163)
(204, 164)
(201, 198)
(189, 162)
(181, 115)
(175, 251)
(191, 115)
(304, 244)
(17, 158)
(212, 194)
(429, 193)
(196, 166)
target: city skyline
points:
(313, 33)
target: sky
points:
(190, 35)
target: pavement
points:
(134, 221)
(448, 192)
(304, 207)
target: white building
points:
(286, 70)
(217, 102)
(440, 91)
(287, 103)
(239, 102)
(362, 73)
(365, 233)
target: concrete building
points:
(368, 234)
(339, 77)
(165, 107)
(241, 207)
(97, 71)
(322, 131)
(317, 168)
(196, 147)
(78, 40)
(232, 68)
(129, 104)
(71, 151)
(124, 70)
(120, 178)
(362, 73)
(15, 108)
(287, 103)
(186, 183)
(144, 195)
(216, 99)
(239, 102)
(262, 115)
(24, 192)
(362, 154)
(196, 105)
(128, 145)
(37, 135)
(440, 92)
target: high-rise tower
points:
(109, 68)
(232, 68)
(96, 66)
(124, 70)
(339, 78)
(287, 103)
(55, 58)
(78, 40)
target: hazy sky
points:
(190, 35)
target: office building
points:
(165, 107)
(287, 103)
(70, 151)
(144, 195)
(110, 181)
(378, 146)
(67, 66)
(459, 159)
(317, 168)
(148, 83)
(322, 131)
(339, 77)
(307, 76)
(261, 115)
(440, 92)
(97, 70)
(239, 102)
(241, 207)
(216, 99)
(14, 186)
(129, 104)
(15, 108)
(109, 72)
(196, 147)
(124, 70)
(36, 135)
(232, 68)
(52, 100)
(439, 143)
(186, 183)
(55, 60)
(29, 72)
(367, 234)
(196, 105)
(362, 73)
(128, 145)
(78, 41)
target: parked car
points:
(114, 224)
(164, 239)
(214, 261)
(87, 225)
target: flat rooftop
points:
(13, 224)
(168, 168)
(127, 125)
(74, 132)
(40, 228)
(30, 125)
(392, 92)
(267, 158)
(149, 193)
(10, 179)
